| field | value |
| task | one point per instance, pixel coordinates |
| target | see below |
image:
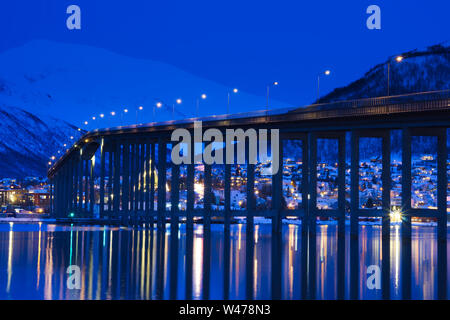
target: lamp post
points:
(228, 102)
(158, 105)
(178, 101)
(327, 73)
(121, 115)
(137, 110)
(398, 59)
(203, 96)
(275, 83)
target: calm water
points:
(122, 263)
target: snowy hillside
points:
(76, 82)
(419, 71)
(27, 142)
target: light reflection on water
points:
(122, 263)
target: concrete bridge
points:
(124, 175)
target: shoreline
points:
(236, 220)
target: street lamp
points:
(178, 101)
(275, 83)
(398, 59)
(158, 105)
(228, 103)
(327, 73)
(138, 109)
(203, 96)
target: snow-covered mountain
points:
(419, 71)
(76, 82)
(27, 142)
(49, 89)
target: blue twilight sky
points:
(245, 43)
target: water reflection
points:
(202, 262)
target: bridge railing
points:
(379, 101)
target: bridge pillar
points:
(116, 183)
(91, 187)
(311, 216)
(102, 180)
(354, 224)
(406, 219)
(249, 228)
(341, 218)
(148, 172)
(161, 183)
(277, 215)
(126, 183)
(386, 221)
(442, 212)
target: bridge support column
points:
(161, 183)
(207, 232)
(102, 180)
(227, 230)
(386, 221)
(250, 234)
(406, 218)
(442, 212)
(91, 187)
(311, 216)
(277, 209)
(189, 219)
(116, 183)
(152, 184)
(175, 199)
(148, 172)
(354, 223)
(126, 183)
(341, 218)
(110, 181)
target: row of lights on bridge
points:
(179, 101)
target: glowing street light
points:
(102, 115)
(85, 122)
(203, 96)
(113, 113)
(178, 101)
(327, 73)
(275, 83)
(398, 59)
(228, 101)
